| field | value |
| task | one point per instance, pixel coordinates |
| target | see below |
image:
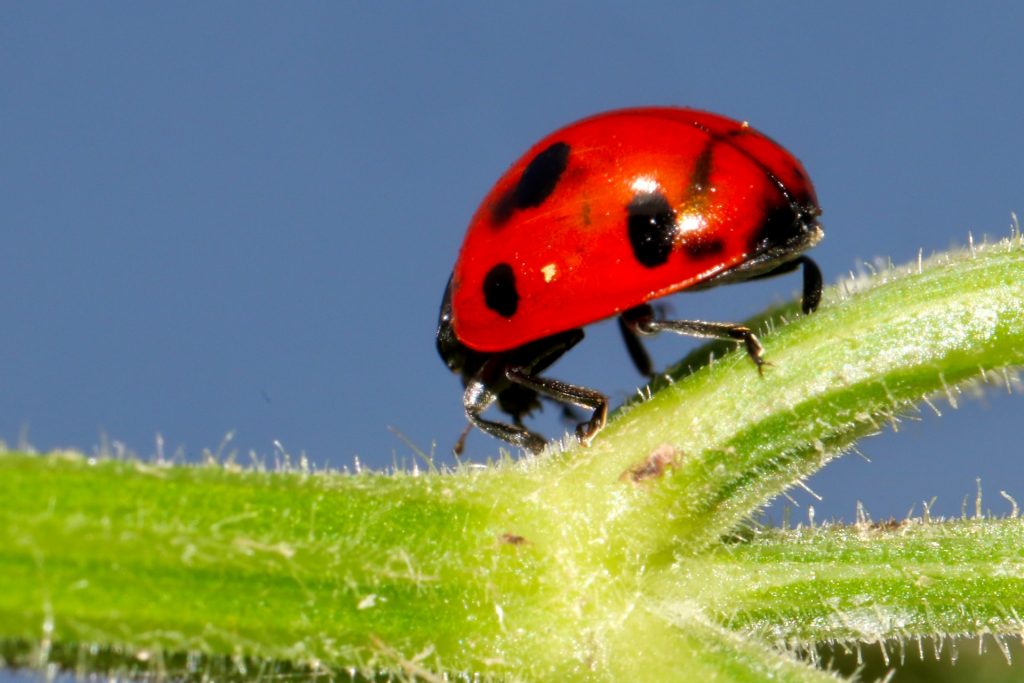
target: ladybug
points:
(596, 220)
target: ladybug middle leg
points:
(520, 367)
(641, 321)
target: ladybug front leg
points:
(566, 393)
(642, 321)
(478, 397)
(521, 367)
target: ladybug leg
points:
(648, 325)
(813, 283)
(566, 393)
(523, 368)
(637, 353)
(519, 367)
(478, 397)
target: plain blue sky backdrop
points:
(241, 216)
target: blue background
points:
(221, 217)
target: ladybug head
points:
(787, 228)
(457, 356)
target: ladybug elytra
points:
(596, 220)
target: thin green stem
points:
(870, 583)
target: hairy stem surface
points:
(585, 563)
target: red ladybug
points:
(599, 218)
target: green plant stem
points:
(835, 376)
(866, 582)
(585, 563)
(277, 566)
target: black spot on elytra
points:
(698, 249)
(536, 184)
(652, 228)
(701, 172)
(500, 290)
(782, 225)
(541, 175)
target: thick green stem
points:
(586, 563)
